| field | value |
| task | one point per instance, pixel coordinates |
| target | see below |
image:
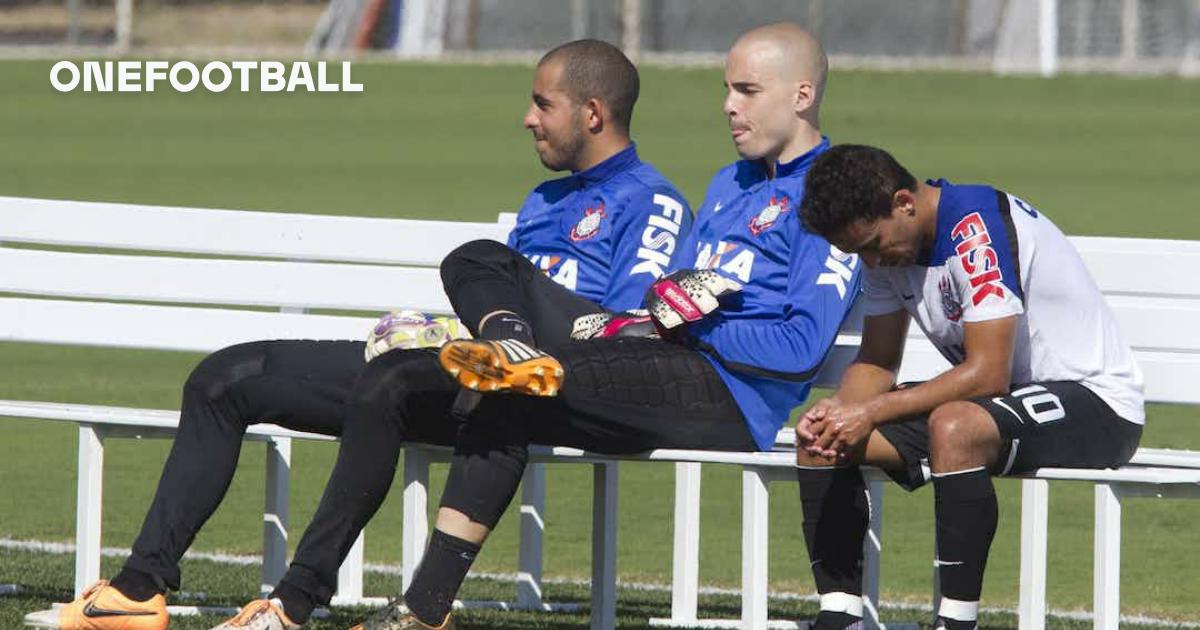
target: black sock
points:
(830, 620)
(507, 326)
(136, 585)
(836, 516)
(966, 514)
(297, 604)
(439, 576)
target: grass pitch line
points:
(394, 569)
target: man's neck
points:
(927, 199)
(600, 149)
(805, 139)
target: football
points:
(409, 329)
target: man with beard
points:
(604, 231)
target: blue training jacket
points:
(769, 340)
(607, 232)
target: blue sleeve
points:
(512, 239)
(651, 227)
(821, 288)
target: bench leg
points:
(604, 546)
(533, 529)
(755, 512)
(872, 548)
(416, 513)
(350, 574)
(685, 582)
(275, 512)
(88, 507)
(1035, 500)
(1106, 586)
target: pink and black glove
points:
(687, 295)
(600, 325)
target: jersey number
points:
(1040, 404)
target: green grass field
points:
(1100, 155)
(225, 587)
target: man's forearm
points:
(864, 381)
(958, 383)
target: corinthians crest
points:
(589, 225)
(769, 215)
(950, 305)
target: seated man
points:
(725, 381)
(601, 231)
(1041, 376)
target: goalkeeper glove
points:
(686, 296)
(599, 325)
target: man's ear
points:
(593, 115)
(806, 95)
(904, 202)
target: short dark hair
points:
(851, 182)
(599, 70)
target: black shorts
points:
(1049, 424)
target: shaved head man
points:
(701, 369)
(775, 77)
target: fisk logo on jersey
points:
(977, 257)
(840, 266)
(658, 239)
(737, 265)
(769, 215)
(564, 271)
(589, 225)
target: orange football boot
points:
(102, 607)
(506, 365)
(260, 614)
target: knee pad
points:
(221, 370)
(391, 376)
(489, 461)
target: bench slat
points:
(921, 361)
(1147, 322)
(1142, 266)
(162, 327)
(1129, 474)
(212, 281)
(1153, 323)
(1169, 377)
(237, 232)
(162, 419)
(131, 421)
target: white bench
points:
(292, 263)
(1153, 287)
(301, 263)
